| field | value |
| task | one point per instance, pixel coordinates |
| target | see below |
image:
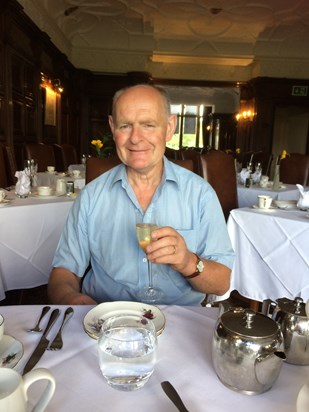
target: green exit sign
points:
(299, 90)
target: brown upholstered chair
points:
(218, 168)
(10, 165)
(195, 157)
(65, 155)
(3, 176)
(43, 153)
(171, 153)
(95, 166)
(265, 159)
(186, 163)
(295, 169)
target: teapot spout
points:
(267, 367)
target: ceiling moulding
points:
(218, 61)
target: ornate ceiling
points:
(200, 39)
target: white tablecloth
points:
(272, 253)
(30, 231)
(184, 358)
(247, 196)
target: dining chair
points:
(43, 153)
(10, 165)
(171, 153)
(3, 175)
(265, 159)
(195, 156)
(218, 168)
(65, 155)
(186, 163)
(95, 166)
(295, 169)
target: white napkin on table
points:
(243, 175)
(22, 187)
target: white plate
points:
(285, 204)
(96, 316)
(53, 196)
(4, 203)
(51, 173)
(11, 351)
(263, 208)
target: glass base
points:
(150, 295)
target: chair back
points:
(43, 153)
(265, 159)
(10, 165)
(195, 157)
(218, 168)
(171, 153)
(295, 169)
(65, 155)
(186, 163)
(3, 176)
(95, 166)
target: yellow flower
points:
(238, 150)
(97, 143)
(284, 154)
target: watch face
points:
(200, 266)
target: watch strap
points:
(196, 272)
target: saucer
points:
(51, 173)
(263, 208)
(11, 351)
(95, 317)
(5, 202)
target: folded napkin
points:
(243, 175)
(256, 176)
(303, 201)
(22, 187)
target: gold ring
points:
(174, 250)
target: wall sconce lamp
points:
(48, 83)
(245, 115)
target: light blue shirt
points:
(100, 230)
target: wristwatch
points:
(199, 268)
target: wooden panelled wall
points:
(83, 107)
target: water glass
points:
(127, 351)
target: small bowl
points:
(44, 190)
(285, 204)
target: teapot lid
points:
(295, 307)
(246, 322)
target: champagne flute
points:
(149, 294)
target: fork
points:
(37, 326)
(57, 343)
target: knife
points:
(173, 395)
(42, 345)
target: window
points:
(189, 130)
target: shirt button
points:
(144, 259)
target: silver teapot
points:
(294, 323)
(247, 350)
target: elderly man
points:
(190, 249)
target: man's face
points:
(141, 128)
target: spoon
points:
(37, 326)
(173, 395)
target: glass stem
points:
(150, 286)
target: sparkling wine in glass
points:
(149, 294)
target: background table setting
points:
(183, 358)
(272, 254)
(30, 231)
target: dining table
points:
(30, 231)
(248, 196)
(271, 252)
(50, 179)
(184, 357)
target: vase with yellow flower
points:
(102, 146)
(276, 180)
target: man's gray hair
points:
(163, 93)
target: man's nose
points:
(135, 136)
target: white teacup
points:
(44, 190)
(264, 201)
(76, 173)
(50, 169)
(1, 327)
(2, 195)
(14, 389)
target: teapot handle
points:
(268, 307)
